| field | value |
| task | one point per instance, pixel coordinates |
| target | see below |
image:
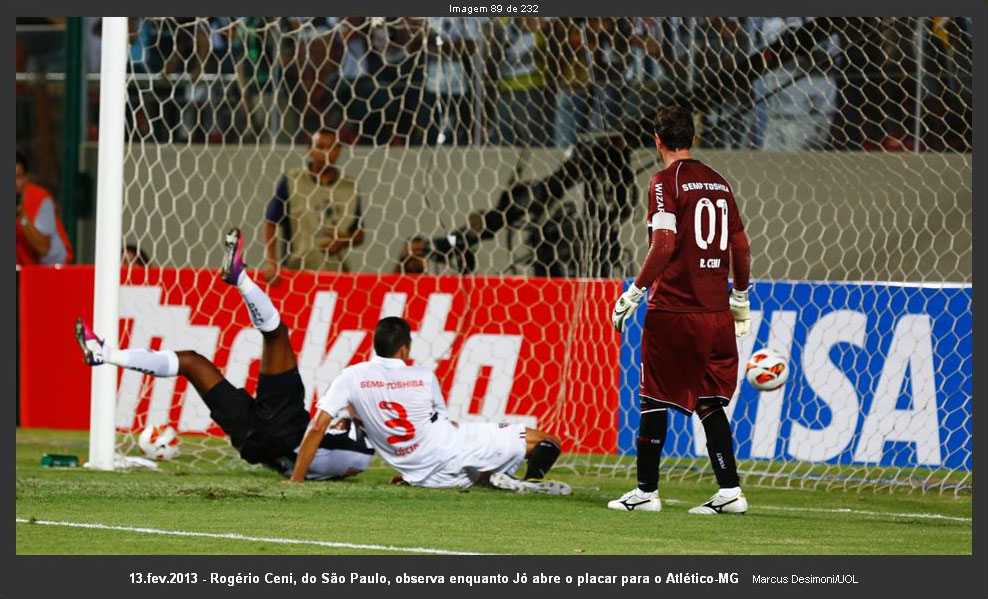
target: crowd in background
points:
(545, 81)
(760, 83)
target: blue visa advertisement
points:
(880, 375)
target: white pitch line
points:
(843, 510)
(239, 537)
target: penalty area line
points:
(240, 537)
(844, 510)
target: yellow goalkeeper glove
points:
(625, 306)
(741, 310)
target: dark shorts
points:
(688, 358)
(266, 428)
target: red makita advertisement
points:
(506, 349)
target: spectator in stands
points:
(608, 42)
(317, 60)
(391, 101)
(722, 43)
(352, 87)
(874, 112)
(182, 46)
(396, 44)
(446, 113)
(567, 58)
(947, 96)
(523, 104)
(133, 255)
(179, 103)
(253, 49)
(795, 102)
(413, 256)
(353, 75)
(41, 239)
(646, 75)
(318, 212)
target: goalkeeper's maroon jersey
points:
(695, 279)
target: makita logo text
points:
(322, 356)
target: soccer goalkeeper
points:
(689, 352)
(266, 429)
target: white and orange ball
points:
(767, 370)
(159, 442)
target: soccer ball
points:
(159, 442)
(767, 370)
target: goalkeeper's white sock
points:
(729, 493)
(262, 312)
(156, 362)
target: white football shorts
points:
(337, 463)
(480, 447)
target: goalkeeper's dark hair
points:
(390, 335)
(674, 126)
(21, 160)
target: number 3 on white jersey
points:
(399, 423)
(705, 206)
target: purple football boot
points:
(233, 261)
(89, 343)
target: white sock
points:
(262, 312)
(730, 493)
(158, 363)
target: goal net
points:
(488, 186)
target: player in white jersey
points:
(265, 429)
(402, 411)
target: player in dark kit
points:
(689, 352)
(266, 429)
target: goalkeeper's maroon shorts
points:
(688, 357)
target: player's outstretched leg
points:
(262, 312)
(651, 437)
(542, 449)
(92, 346)
(277, 417)
(277, 355)
(227, 407)
(202, 373)
(720, 446)
(96, 351)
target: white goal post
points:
(109, 207)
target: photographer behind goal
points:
(565, 241)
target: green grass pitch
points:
(245, 511)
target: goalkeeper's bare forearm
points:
(310, 443)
